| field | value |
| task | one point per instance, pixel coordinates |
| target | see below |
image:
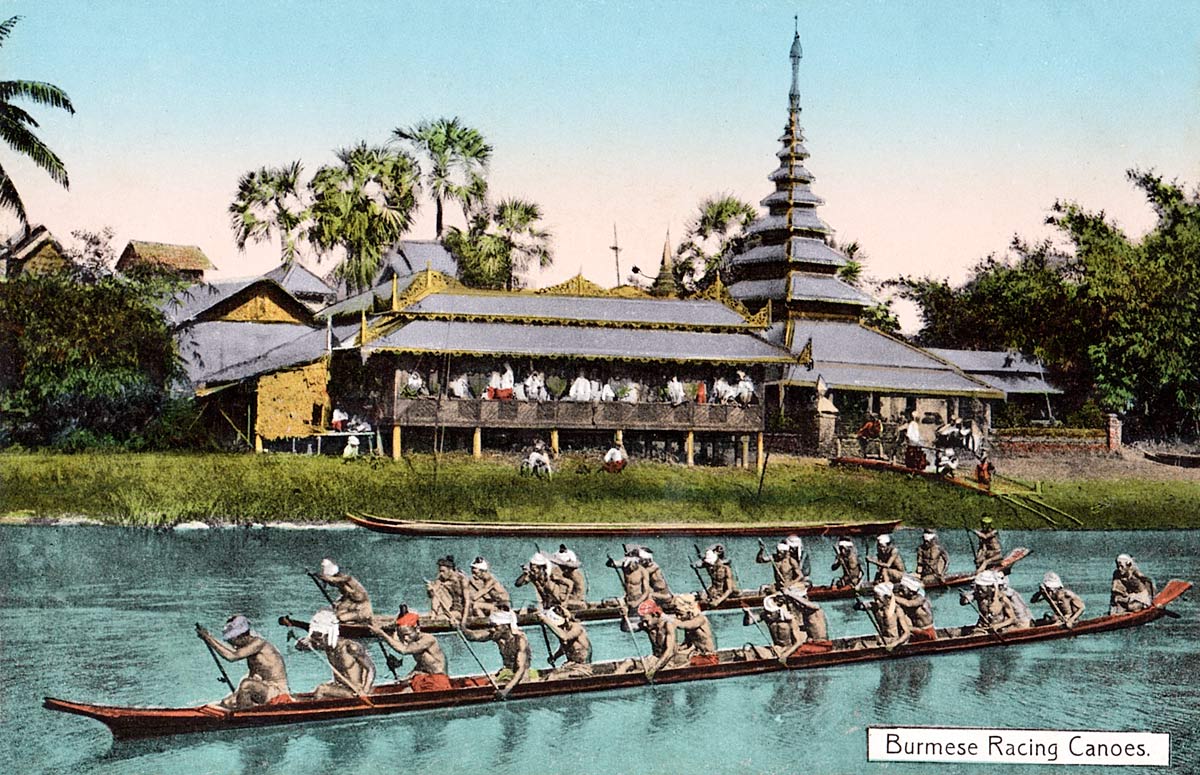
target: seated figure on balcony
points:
(581, 390)
(460, 387)
(722, 392)
(415, 385)
(500, 385)
(535, 387)
(744, 391)
(607, 392)
(633, 393)
(675, 392)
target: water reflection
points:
(901, 680)
(514, 721)
(996, 666)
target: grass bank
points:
(163, 489)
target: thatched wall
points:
(290, 401)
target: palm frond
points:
(6, 27)
(10, 199)
(25, 142)
(36, 91)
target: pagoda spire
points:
(797, 53)
(665, 285)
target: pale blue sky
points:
(937, 129)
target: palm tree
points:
(500, 243)
(711, 234)
(852, 271)
(269, 200)
(15, 126)
(524, 241)
(457, 158)
(363, 205)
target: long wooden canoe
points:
(410, 527)
(600, 612)
(1179, 459)
(876, 464)
(129, 723)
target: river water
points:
(105, 615)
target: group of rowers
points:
(676, 626)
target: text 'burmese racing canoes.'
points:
(129, 723)
(601, 529)
(597, 612)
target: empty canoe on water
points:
(129, 723)
(600, 612)
(411, 527)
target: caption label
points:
(1017, 746)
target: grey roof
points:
(305, 348)
(571, 341)
(364, 300)
(802, 218)
(406, 259)
(844, 376)
(806, 286)
(194, 299)
(1018, 385)
(800, 194)
(787, 171)
(208, 348)
(753, 290)
(786, 139)
(804, 249)
(299, 280)
(999, 361)
(692, 312)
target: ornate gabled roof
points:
(576, 286)
(299, 280)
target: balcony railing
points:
(459, 413)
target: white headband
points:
(325, 622)
(329, 567)
(480, 564)
(884, 539)
(1052, 581)
(883, 589)
(502, 618)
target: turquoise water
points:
(105, 615)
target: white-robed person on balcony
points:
(723, 392)
(744, 392)
(460, 387)
(633, 393)
(581, 390)
(675, 392)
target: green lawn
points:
(156, 489)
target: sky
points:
(938, 130)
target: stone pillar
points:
(827, 433)
(759, 460)
(554, 441)
(745, 452)
(395, 442)
(1114, 433)
(689, 446)
(477, 443)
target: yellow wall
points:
(46, 259)
(261, 308)
(286, 401)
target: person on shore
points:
(573, 640)
(893, 623)
(847, 561)
(1021, 610)
(615, 459)
(932, 559)
(984, 469)
(449, 593)
(429, 674)
(548, 583)
(870, 432)
(910, 597)
(266, 675)
(1065, 606)
(783, 564)
(485, 590)
(914, 452)
(353, 605)
(812, 617)
(537, 463)
(699, 643)
(988, 554)
(571, 570)
(515, 652)
(720, 574)
(888, 560)
(1132, 590)
(353, 670)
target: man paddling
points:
(353, 670)
(1065, 606)
(988, 554)
(911, 599)
(893, 624)
(847, 561)
(660, 629)
(571, 571)
(548, 582)
(266, 675)
(353, 604)
(1021, 610)
(486, 592)
(891, 564)
(429, 674)
(515, 652)
(654, 575)
(996, 612)
(574, 643)
(1132, 590)
(932, 559)
(782, 625)
(812, 617)
(720, 574)
(633, 578)
(699, 642)
(449, 593)
(784, 565)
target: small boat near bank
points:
(875, 464)
(1177, 459)
(413, 527)
(601, 612)
(133, 723)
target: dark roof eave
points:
(785, 361)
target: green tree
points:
(501, 243)
(712, 233)
(880, 315)
(456, 158)
(16, 128)
(363, 205)
(270, 202)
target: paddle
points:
(866, 608)
(320, 585)
(625, 625)
(499, 695)
(753, 617)
(551, 656)
(224, 676)
(1062, 619)
(391, 661)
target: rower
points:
(633, 576)
(1065, 606)
(654, 574)
(548, 583)
(486, 592)
(513, 646)
(353, 605)
(891, 564)
(783, 564)
(1021, 610)
(796, 549)
(988, 554)
(699, 643)
(574, 643)
(660, 630)
(266, 675)
(783, 627)
(353, 670)
(996, 611)
(911, 599)
(720, 573)
(816, 628)
(932, 559)
(1132, 590)
(894, 627)
(847, 560)
(449, 593)
(571, 571)
(429, 674)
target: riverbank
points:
(167, 489)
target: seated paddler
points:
(353, 670)
(429, 673)
(266, 675)
(353, 604)
(515, 652)
(486, 592)
(450, 592)
(573, 640)
(571, 570)
(1065, 606)
(1132, 590)
(720, 574)
(910, 597)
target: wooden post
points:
(396, 442)
(689, 445)
(258, 445)
(745, 452)
(758, 461)
(477, 443)
(554, 440)
(619, 437)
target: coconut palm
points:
(363, 205)
(500, 244)
(456, 158)
(711, 234)
(525, 242)
(270, 200)
(15, 126)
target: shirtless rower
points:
(893, 623)
(514, 649)
(1065, 606)
(988, 554)
(486, 591)
(429, 674)
(353, 605)
(570, 569)
(783, 627)
(660, 629)
(1132, 590)
(699, 642)
(1021, 610)
(996, 611)
(795, 547)
(720, 573)
(266, 675)
(633, 578)
(449, 593)
(548, 583)
(353, 670)
(911, 599)
(784, 565)
(891, 564)
(654, 575)
(812, 617)
(847, 560)
(574, 643)
(932, 559)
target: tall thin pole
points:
(616, 249)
